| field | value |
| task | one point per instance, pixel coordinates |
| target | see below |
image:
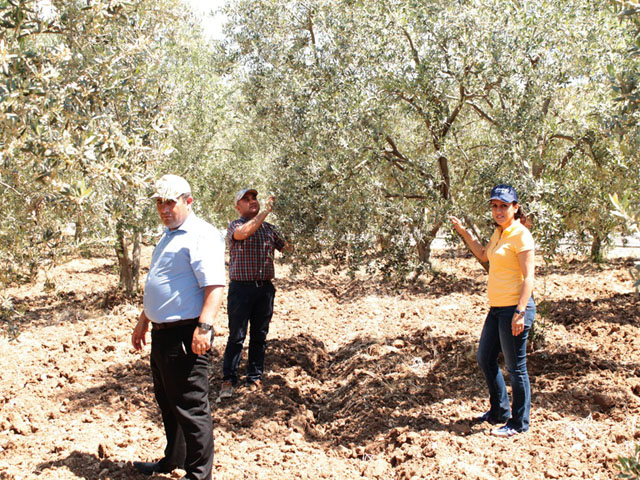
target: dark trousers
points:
(249, 304)
(496, 337)
(181, 387)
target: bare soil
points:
(364, 380)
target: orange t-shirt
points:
(505, 276)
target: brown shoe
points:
(226, 390)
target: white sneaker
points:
(504, 432)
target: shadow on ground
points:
(619, 308)
(345, 289)
(90, 467)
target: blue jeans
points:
(249, 306)
(496, 336)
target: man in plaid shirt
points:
(252, 242)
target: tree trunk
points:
(424, 250)
(78, 235)
(129, 265)
(135, 258)
(445, 186)
(423, 244)
(596, 249)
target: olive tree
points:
(382, 117)
(86, 98)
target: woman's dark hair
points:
(520, 215)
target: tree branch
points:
(562, 137)
(452, 116)
(394, 149)
(414, 52)
(13, 189)
(483, 114)
(395, 156)
(394, 153)
(411, 102)
(310, 27)
(568, 156)
(409, 197)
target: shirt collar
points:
(515, 224)
(186, 225)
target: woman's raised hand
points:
(457, 224)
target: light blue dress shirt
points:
(184, 261)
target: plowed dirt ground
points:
(363, 380)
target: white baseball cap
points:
(242, 193)
(170, 187)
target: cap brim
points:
(503, 200)
(157, 195)
(250, 190)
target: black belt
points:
(178, 323)
(257, 283)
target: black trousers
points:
(249, 304)
(181, 387)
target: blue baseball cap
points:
(504, 193)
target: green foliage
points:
(206, 115)
(379, 118)
(627, 207)
(625, 77)
(10, 317)
(541, 327)
(76, 120)
(88, 100)
(371, 121)
(629, 466)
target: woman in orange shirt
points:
(510, 253)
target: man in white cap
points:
(252, 242)
(182, 296)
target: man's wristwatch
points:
(205, 326)
(519, 312)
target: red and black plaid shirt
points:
(252, 258)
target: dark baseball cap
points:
(504, 193)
